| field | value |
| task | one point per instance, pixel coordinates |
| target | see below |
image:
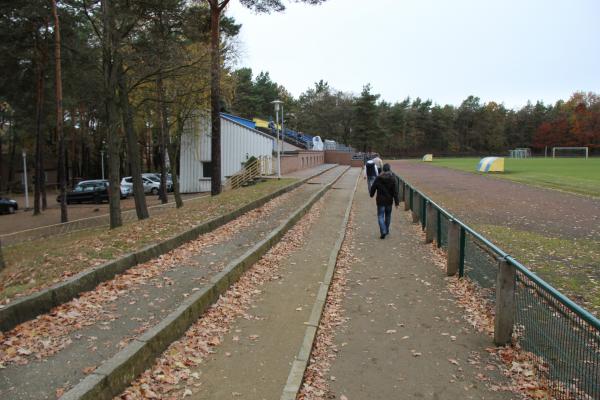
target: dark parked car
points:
(8, 206)
(95, 191)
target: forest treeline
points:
(412, 126)
(134, 71)
(88, 81)
(130, 74)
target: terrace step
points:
(118, 311)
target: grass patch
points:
(573, 175)
(41, 263)
(570, 265)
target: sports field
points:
(552, 232)
(574, 175)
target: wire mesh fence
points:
(565, 346)
(480, 265)
(562, 337)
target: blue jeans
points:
(384, 216)
(370, 180)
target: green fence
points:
(563, 337)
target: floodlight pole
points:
(102, 157)
(277, 103)
(25, 180)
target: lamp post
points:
(282, 130)
(25, 180)
(102, 157)
(277, 104)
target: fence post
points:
(453, 248)
(416, 207)
(431, 223)
(438, 229)
(423, 212)
(401, 190)
(505, 303)
(406, 197)
(461, 257)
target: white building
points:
(238, 144)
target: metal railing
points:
(561, 336)
(251, 171)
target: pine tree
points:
(366, 134)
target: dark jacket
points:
(397, 184)
(386, 187)
(371, 169)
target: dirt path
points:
(405, 337)
(555, 234)
(494, 201)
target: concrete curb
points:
(115, 374)
(296, 375)
(29, 307)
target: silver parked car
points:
(150, 186)
(156, 177)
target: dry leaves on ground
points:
(316, 386)
(50, 333)
(519, 366)
(177, 371)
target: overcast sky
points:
(503, 50)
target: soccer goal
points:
(521, 152)
(570, 152)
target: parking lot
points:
(23, 220)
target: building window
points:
(206, 169)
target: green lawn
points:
(574, 175)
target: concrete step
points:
(117, 313)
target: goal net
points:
(522, 152)
(570, 152)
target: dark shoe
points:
(382, 237)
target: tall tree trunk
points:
(39, 105)
(173, 146)
(59, 118)
(141, 208)
(109, 60)
(43, 185)
(215, 96)
(2, 158)
(163, 133)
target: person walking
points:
(370, 173)
(378, 162)
(385, 186)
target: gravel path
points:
(486, 200)
(553, 233)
